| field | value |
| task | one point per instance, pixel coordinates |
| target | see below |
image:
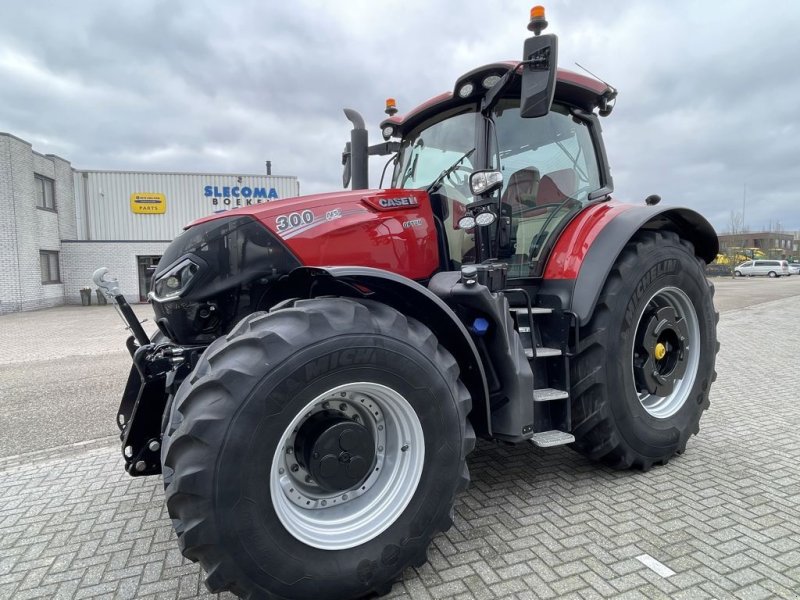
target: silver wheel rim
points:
(662, 407)
(352, 517)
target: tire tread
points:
(595, 431)
(268, 338)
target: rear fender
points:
(409, 298)
(607, 234)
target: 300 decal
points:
(284, 222)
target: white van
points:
(771, 268)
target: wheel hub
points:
(347, 465)
(337, 452)
(665, 352)
(660, 355)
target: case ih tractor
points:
(324, 364)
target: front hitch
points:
(110, 289)
(159, 367)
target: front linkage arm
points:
(158, 369)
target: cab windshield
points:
(425, 154)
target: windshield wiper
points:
(438, 181)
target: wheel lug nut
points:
(380, 427)
(343, 407)
(308, 478)
(281, 471)
(289, 450)
(404, 448)
(295, 468)
(356, 418)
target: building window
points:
(48, 260)
(45, 196)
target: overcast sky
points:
(708, 100)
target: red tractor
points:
(324, 363)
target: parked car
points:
(794, 268)
(770, 268)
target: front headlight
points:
(174, 282)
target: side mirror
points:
(485, 182)
(540, 57)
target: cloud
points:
(706, 101)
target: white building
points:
(59, 224)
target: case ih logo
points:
(398, 202)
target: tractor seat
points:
(522, 189)
(556, 187)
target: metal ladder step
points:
(548, 439)
(543, 352)
(535, 310)
(547, 394)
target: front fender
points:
(413, 300)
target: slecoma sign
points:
(239, 195)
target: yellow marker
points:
(660, 351)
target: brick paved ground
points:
(725, 517)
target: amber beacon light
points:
(537, 23)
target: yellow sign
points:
(145, 203)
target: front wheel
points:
(644, 369)
(737, 273)
(773, 274)
(316, 451)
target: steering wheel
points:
(460, 181)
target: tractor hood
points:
(226, 265)
(391, 229)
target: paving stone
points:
(725, 516)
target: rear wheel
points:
(773, 274)
(737, 273)
(316, 451)
(646, 360)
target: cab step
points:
(535, 310)
(547, 394)
(543, 352)
(548, 439)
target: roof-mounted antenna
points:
(580, 66)
(608, 98)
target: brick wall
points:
(26, 229)
(9, 271)
(81, 259)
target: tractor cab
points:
(507, 158)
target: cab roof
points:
(572, 88)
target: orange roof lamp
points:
(537, 23)
(391, 107)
